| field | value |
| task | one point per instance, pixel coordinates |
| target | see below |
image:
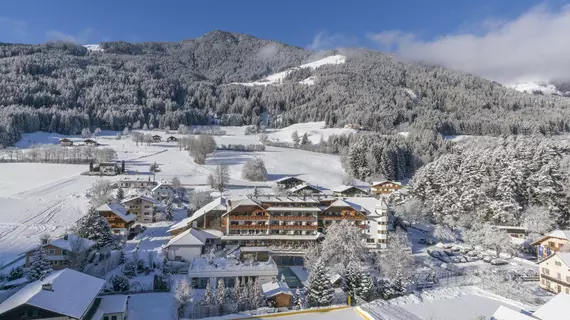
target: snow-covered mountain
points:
(535, 86)
(277, 78)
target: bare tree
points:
(101, 192)
(220, 177)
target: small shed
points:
(156, 138)
(278, 292)
(65, 142)
(90, 142)
(172, 139)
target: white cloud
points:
(325, 41)
(533, 46)
(82, 38)
(16, 27)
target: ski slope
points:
(39, 198)
(277, 78)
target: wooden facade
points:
(116, 222)
(385, 187)
(55, 255)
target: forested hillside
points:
(63, 87)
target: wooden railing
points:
(293, 218)
(325, 217)
(292, 227)
(246, 217)
(248, 226)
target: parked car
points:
(431, 242)
(473, 253)
(487, 259)
(422, 241)
(499, 262)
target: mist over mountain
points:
(63, 87)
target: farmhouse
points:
(349, 191)
(143, 207)
(289, 182)
(385, 187)
(57, 250)
(119, 219)
(65, 142)
(64, 294)
(163, 191)
(555, 273)
(136, 183)
(90, 142)
(551, 243)
(303, 189)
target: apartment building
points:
(555, 273)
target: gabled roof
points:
(560, 234)
(218, 204)
(149, 199)
(244, 202)
(303, 186)
(274, 288)
(564, 256)
(340, 203)
(162, 184)
(554, 308)
(504, 313)
(71, 295)
(191, 237)
(118, 210)
(344, 188)
(288, 178)
(116, 303)
(68, 244)
(385, 181)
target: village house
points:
(289, 182)
(63, 294)
(156, 138)
(207, 217)
(163, 191)
(119, 219)
(555, 273)
(277, 292)
(136, 183)
(385, 187)
(110, 307)
(171, 139)
(191, 244)
(65, 142)
(517, 234)
(551, 243)
(553, 309)
(145, 208)
(303, 189)
(57, 250)
(349, 191)
(90, 142)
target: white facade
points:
(184, 253)
(163, 191)
(376, 230)
(136, 184)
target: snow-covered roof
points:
(369, 204)
(118, 210)
(191, 237)
(561, 234)
(344, 188)
(71, 293)
(142, 197)
(504, 313)
(385, 181)
(283, 199)
(110, 304)
(68, 244)
(554, 308)
(274, 288)
(303, 186)
(162, 184)
(222, 267)
(287, 178)
(294, 209)
(218, 204)
(340, 203)
(273, 237)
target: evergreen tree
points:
(15, 273)
(221, 294)
(95, 227)
(129, 269)
(40, 267)
(183, 295)
(120, 283)
(352, 280)
(295, 138)
(320, 288)
(120, 194)
(208, 296)
(305, 140)
(238, 295)
(366, 286)
(165, 267)
(299, 303)
(169, 208)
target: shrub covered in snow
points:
(254, 170)
(120, 283)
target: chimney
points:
(66, 237)
(47, 286)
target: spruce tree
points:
(120, 194)
(353, 280)
(169, 208)
(366, 286)
(299, 302)
(208, 296)
(95, 227)
(320, 288)
(238, 295)
(39, 265)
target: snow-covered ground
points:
(49, 198)
(531, 86)
(152, 306)
(277, 78)
(93, 47)
(314, 130)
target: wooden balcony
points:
(246, 217)
(324, 217)
(248, 227)
(293, 218)
(290, 227)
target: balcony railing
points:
(324, 217)
(292, 227)
(248, 227)
(556, 280)
(246, 217)
(293, 218)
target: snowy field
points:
(48, 198)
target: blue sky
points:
(296, 22)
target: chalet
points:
(171, 139)
(278, 292)
(551, 243)
(63, 294)
(289, 182)
(156, 138)
(90, 142)
(119, 219)
(163, 191)
(65, 142)
(136, 183)
(517, 234)
(207, 217)
(191, 244)
(385, 187)
(143, 207)
(349, 191)
(303, 189)
(555, 273)
(57, 250)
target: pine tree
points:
(183, 295)
(320, 288)
(39, 265)
(238, 295)
(299, 303)
(15, 273)
(120, 194)
(366, 286)
(165, 267)
(256, 298)
(96, 228)
(120, 283)
(305, 139)
(353, 280)
(169, 208)
(221, 294)
(129, 269)
(208, 296)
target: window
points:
(105, 318)
(545, 271)
(543, 281)
(113, 317)
(568, 290)
(370, 241)
(558, 276)
(552, 244)
(64, 252)
(24, 314)
(557, 263)
(51, 251)
(568, 279)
